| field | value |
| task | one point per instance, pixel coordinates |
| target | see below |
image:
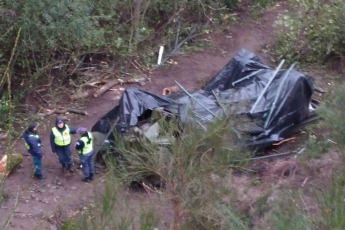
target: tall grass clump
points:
(112, 208)
(288, 212)
(185, 180)
(190, 173)
(333, 113)
(332, 195)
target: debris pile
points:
(276, 102)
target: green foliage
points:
(5, 108)
(312, 32)
(332, 205)
(58, 35)
(148, 220)
(70, 224)
(259, 6)
(289, 217)
(231, 4)
(190, 170)
(333, 112)
(316, 145)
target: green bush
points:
(59, 35)
(313, 31)
(5, 108)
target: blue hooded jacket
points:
(34, 142)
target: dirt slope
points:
(42, 204)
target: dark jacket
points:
(34, 142)
(52, 137)
(80, 144)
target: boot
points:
(85, 179)
(40, 176)
(91, 177)
(64, 168)
(71, 168)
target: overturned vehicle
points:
(277, 103)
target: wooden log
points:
(9, 162)
(106, 87)
(170, 90)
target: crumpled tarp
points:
(237, 87)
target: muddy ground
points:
(44, 204)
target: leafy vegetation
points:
(57, 37)
(314, 33)
(192, 178)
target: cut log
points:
(9, 162)
(106, 87)
(3, 163)
(170, 90)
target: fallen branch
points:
(63, 111)
(68, 110)
(149, 189)
(106, 87)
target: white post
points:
(161, 49)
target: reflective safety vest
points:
(62, 139)
(87, 147)
(33, 135)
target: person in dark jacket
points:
(34, 146)
(84, 147)
(60, 142)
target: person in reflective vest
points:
(84, 146)
(60, 142)
(34, 146)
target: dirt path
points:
(42, 204)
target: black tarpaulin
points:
(276, 101)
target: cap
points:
(33, 125)
(59, 120)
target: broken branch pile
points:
(107, 86)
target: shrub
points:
(312, 32)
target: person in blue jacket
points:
(34, 146)
(84, 146)
(60, 142)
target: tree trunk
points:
(136, 23)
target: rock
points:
(41, 190)
(74, 188)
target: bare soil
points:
(45, 204)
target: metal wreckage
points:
(277, 102)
